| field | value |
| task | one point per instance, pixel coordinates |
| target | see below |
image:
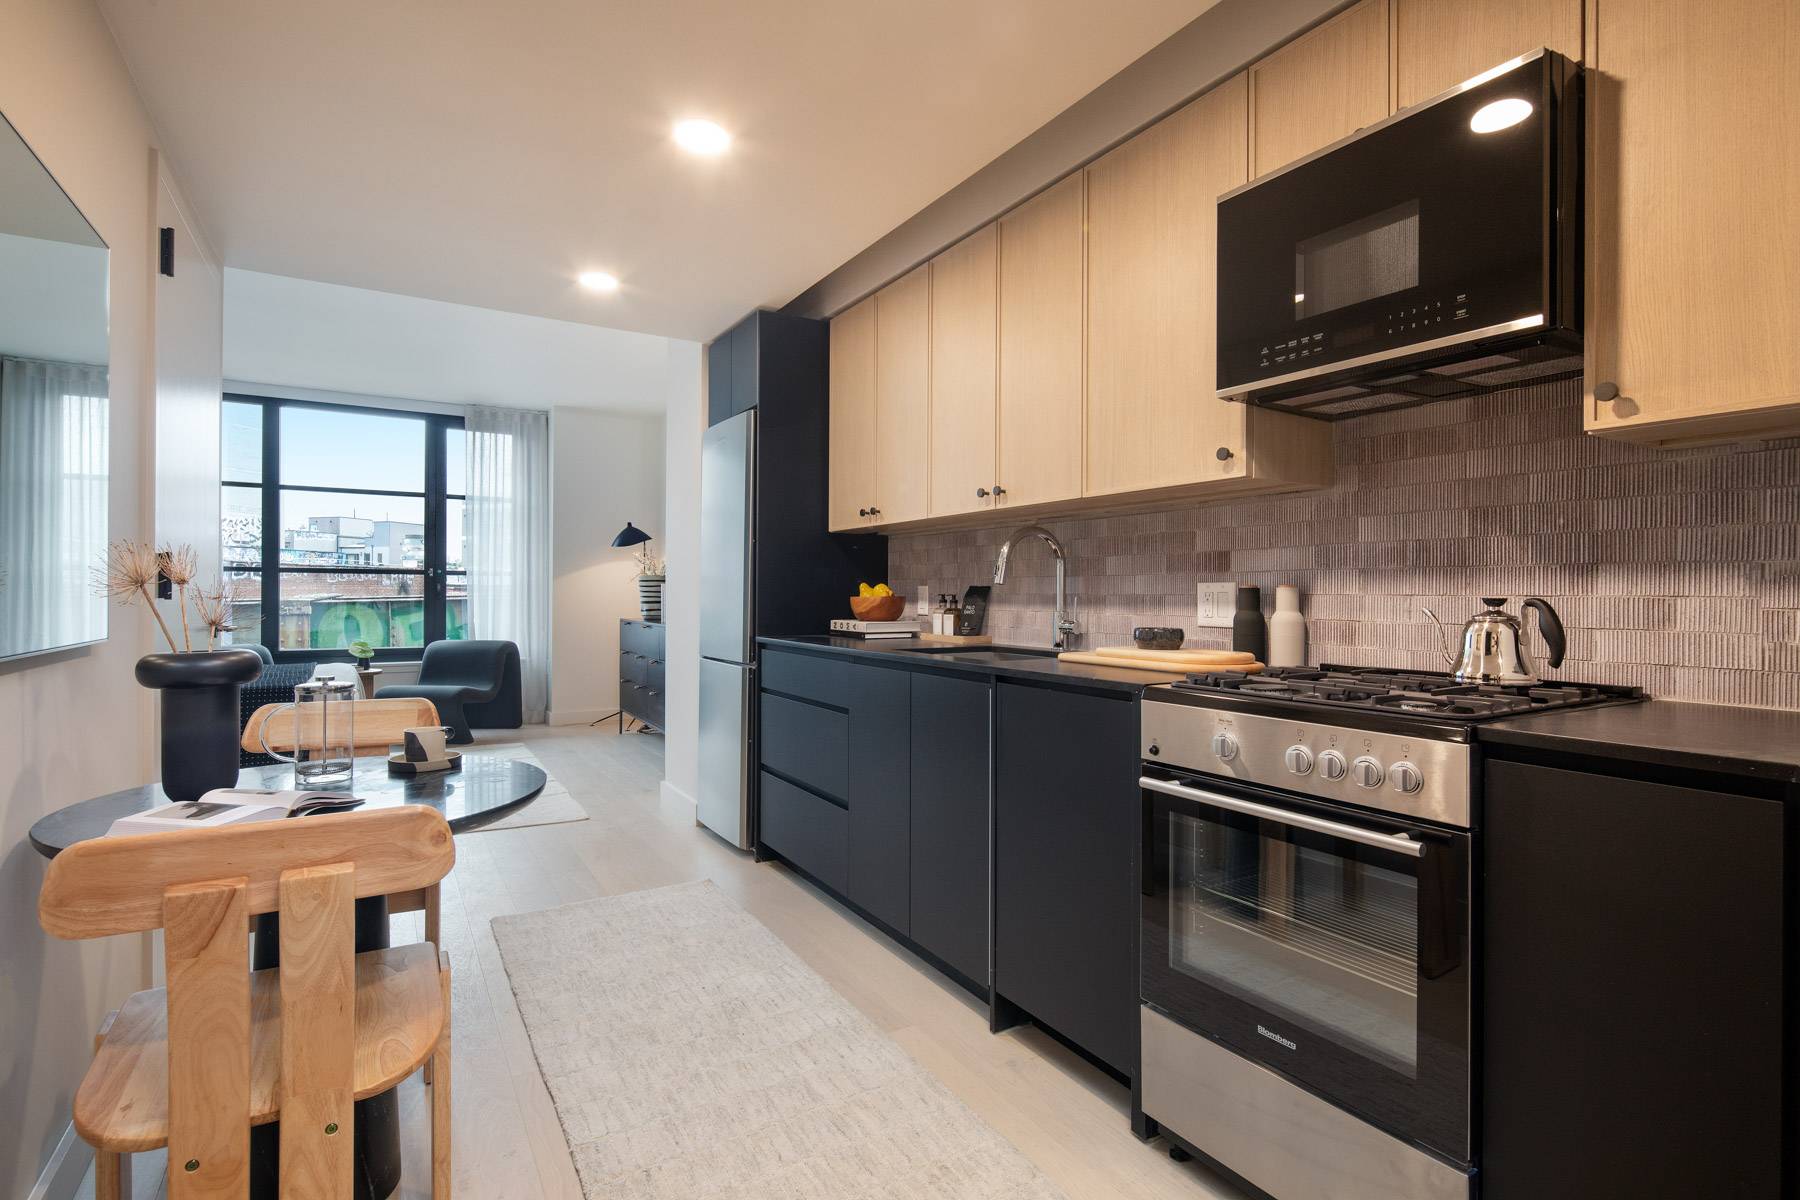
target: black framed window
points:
(341, 524)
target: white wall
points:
(686, 419)
(75, 724)
(605, 470)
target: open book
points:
(230, 806)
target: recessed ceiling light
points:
(598, 281)
(1501, 114)
(701, 137)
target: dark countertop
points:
(1756, 743)
(1047, 669)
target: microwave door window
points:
(1375, 256)
(1303, 929)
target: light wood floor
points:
(1064, 1115)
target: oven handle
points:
(1399, 843)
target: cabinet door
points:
(1694, 184)
(1633, 989)
(1440, 43)
(1042, 293)
(879, 792)
(852, 467)
(1066, 807)
(964, 308)
(950, 821)
(744, 378)
(1325, 85)
(718, 379)
(1154, 418)
(903, 397)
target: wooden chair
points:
(194, 1065)
(375, 724)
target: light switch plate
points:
(1216, 603)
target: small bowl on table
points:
(877, 608)
(1158, 637)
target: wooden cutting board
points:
(1222, 659)
(1161, 666)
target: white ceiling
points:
(484, 153)
(296, 333)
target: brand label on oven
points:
(1276, 1037)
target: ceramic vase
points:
(200, 720)
(650, 594)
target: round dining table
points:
(487, 787)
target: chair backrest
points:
(375, 724)
(344, 672)
(473, 664)
(201, 888)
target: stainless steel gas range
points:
(1306, 873)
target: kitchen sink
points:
(994, 656)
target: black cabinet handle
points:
(874, 512)
(1606, 392)
(1224, 454)
(998, 490)
(981, 491)
(862, 512)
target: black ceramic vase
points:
(199, 716)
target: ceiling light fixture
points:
(702, 137)
(598, 281)
(1501, 114)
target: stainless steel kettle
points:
(1493, 643)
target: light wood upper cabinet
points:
(1320, 87)
(903, 398)
(1041, 344)
(1440, 43)
(1693, 282)
(964, 373)
(851, 491)
(1153, 418)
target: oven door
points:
(1331, 947)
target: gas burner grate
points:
(1419, 693)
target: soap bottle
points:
(1287, 629)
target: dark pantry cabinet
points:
(1635, 939)
(1065, 830)
(766, 352)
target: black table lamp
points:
(631, 535)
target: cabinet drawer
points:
(809, 832)
(806, 743)
(633, 668)
(653, 675)
(641, 637)
(808, 676)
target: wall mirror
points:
(54, 457)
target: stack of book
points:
(873, 630)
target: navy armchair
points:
(472, 684)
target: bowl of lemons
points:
(877, 603)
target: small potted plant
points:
(363, 653)
(650, 582)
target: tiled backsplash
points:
(1676, 571)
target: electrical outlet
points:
(1217, 602)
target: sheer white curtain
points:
(508, 540)
(53, 484)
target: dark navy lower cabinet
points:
(880, 793)
(1065, 828)
(1636, 938)
(950, 814)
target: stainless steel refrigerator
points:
(768, 563)
(727, 624)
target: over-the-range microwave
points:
(1433, 255)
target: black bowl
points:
(1158, 637)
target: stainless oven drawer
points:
(1284, 1140)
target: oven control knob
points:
(1299, 760)
(1225, 746)
(1367, 772)
(1332, 765)
(1407, 778)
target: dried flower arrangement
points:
(648, 563)
(133, 570)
